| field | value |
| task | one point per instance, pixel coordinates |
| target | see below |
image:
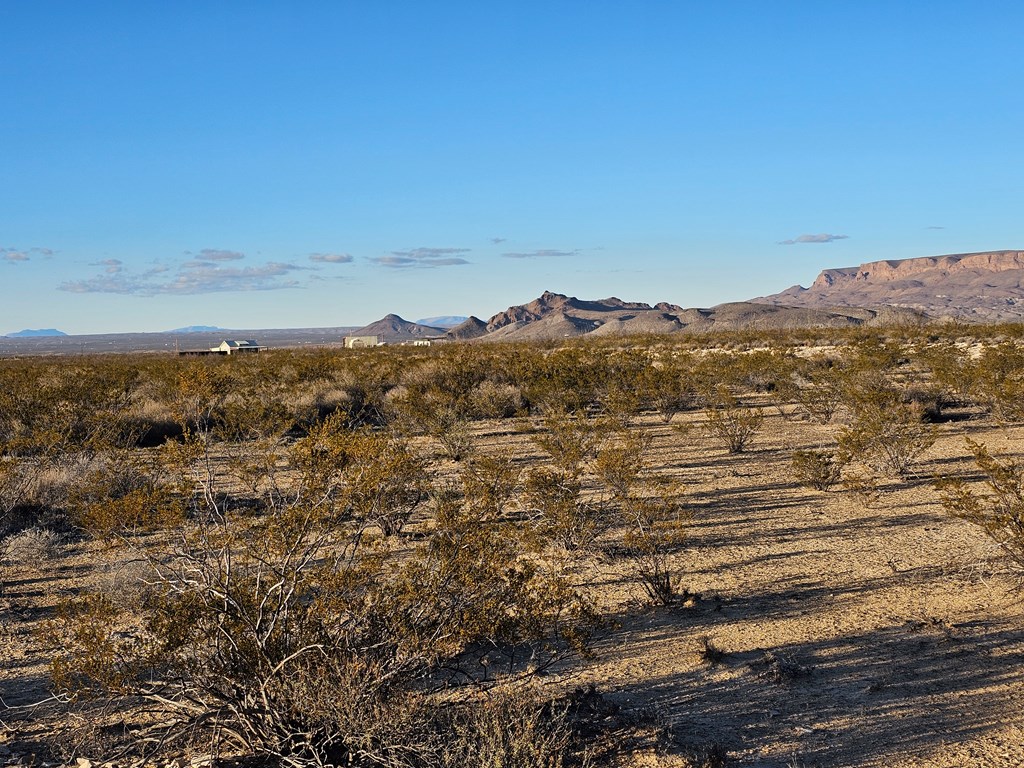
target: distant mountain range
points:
(983, 287)
(30, 333)
(987, 286)
(555, 316)
(196, 329)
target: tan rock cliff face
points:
(986, 286)
(876, 271)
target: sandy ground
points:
(854, 634)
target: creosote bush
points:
(999, 510)
(656, 529)
(732, 423)
(886, 434)
(819, 470)
(561, 515)
(304, 635)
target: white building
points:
(236, 347)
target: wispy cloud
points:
(17, 255)
(541, 254)
(330, 258)
(201, 275)
(498, 240)
(934, 227)
(822, 238)
(217, 254)
(111, 266)
(422, 258)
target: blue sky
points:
(279, 164)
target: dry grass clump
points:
(31, 547)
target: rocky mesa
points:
(987, 286)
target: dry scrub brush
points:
(885, 433)
(309, 634)
(303, 639)
(999, 511)
(733, 423)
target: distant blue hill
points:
(196, 329)
(32, 332)
(444, 321)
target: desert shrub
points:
(929, 399)
(365, 388)
(490, 483)
(562, 515)
(491, 400)
(200, 392)
(254, 413)
(863, 485)
(999, 510)
(817, 387)
(514, 728)
(16, 477)
(620, 461)
(876, 355)
(709, 652)
(655, 531)
(368, 477)
(33, 546)
(124, 494)
(763, 370)
(47, 409)
(437, 413)
(731, 422)
(566, 380)
(953, 373)
(669, 386)
(299, 639)
(475, 570)
(886, 433)
(126, 584)
(571, 440)
(819, 470)
(1000, 380)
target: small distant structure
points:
(234, 347)
(422, 342)
(246, 346)
(356, 342)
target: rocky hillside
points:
(393, 328)
(987, 286)
(556, 316)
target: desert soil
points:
(856, 632)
